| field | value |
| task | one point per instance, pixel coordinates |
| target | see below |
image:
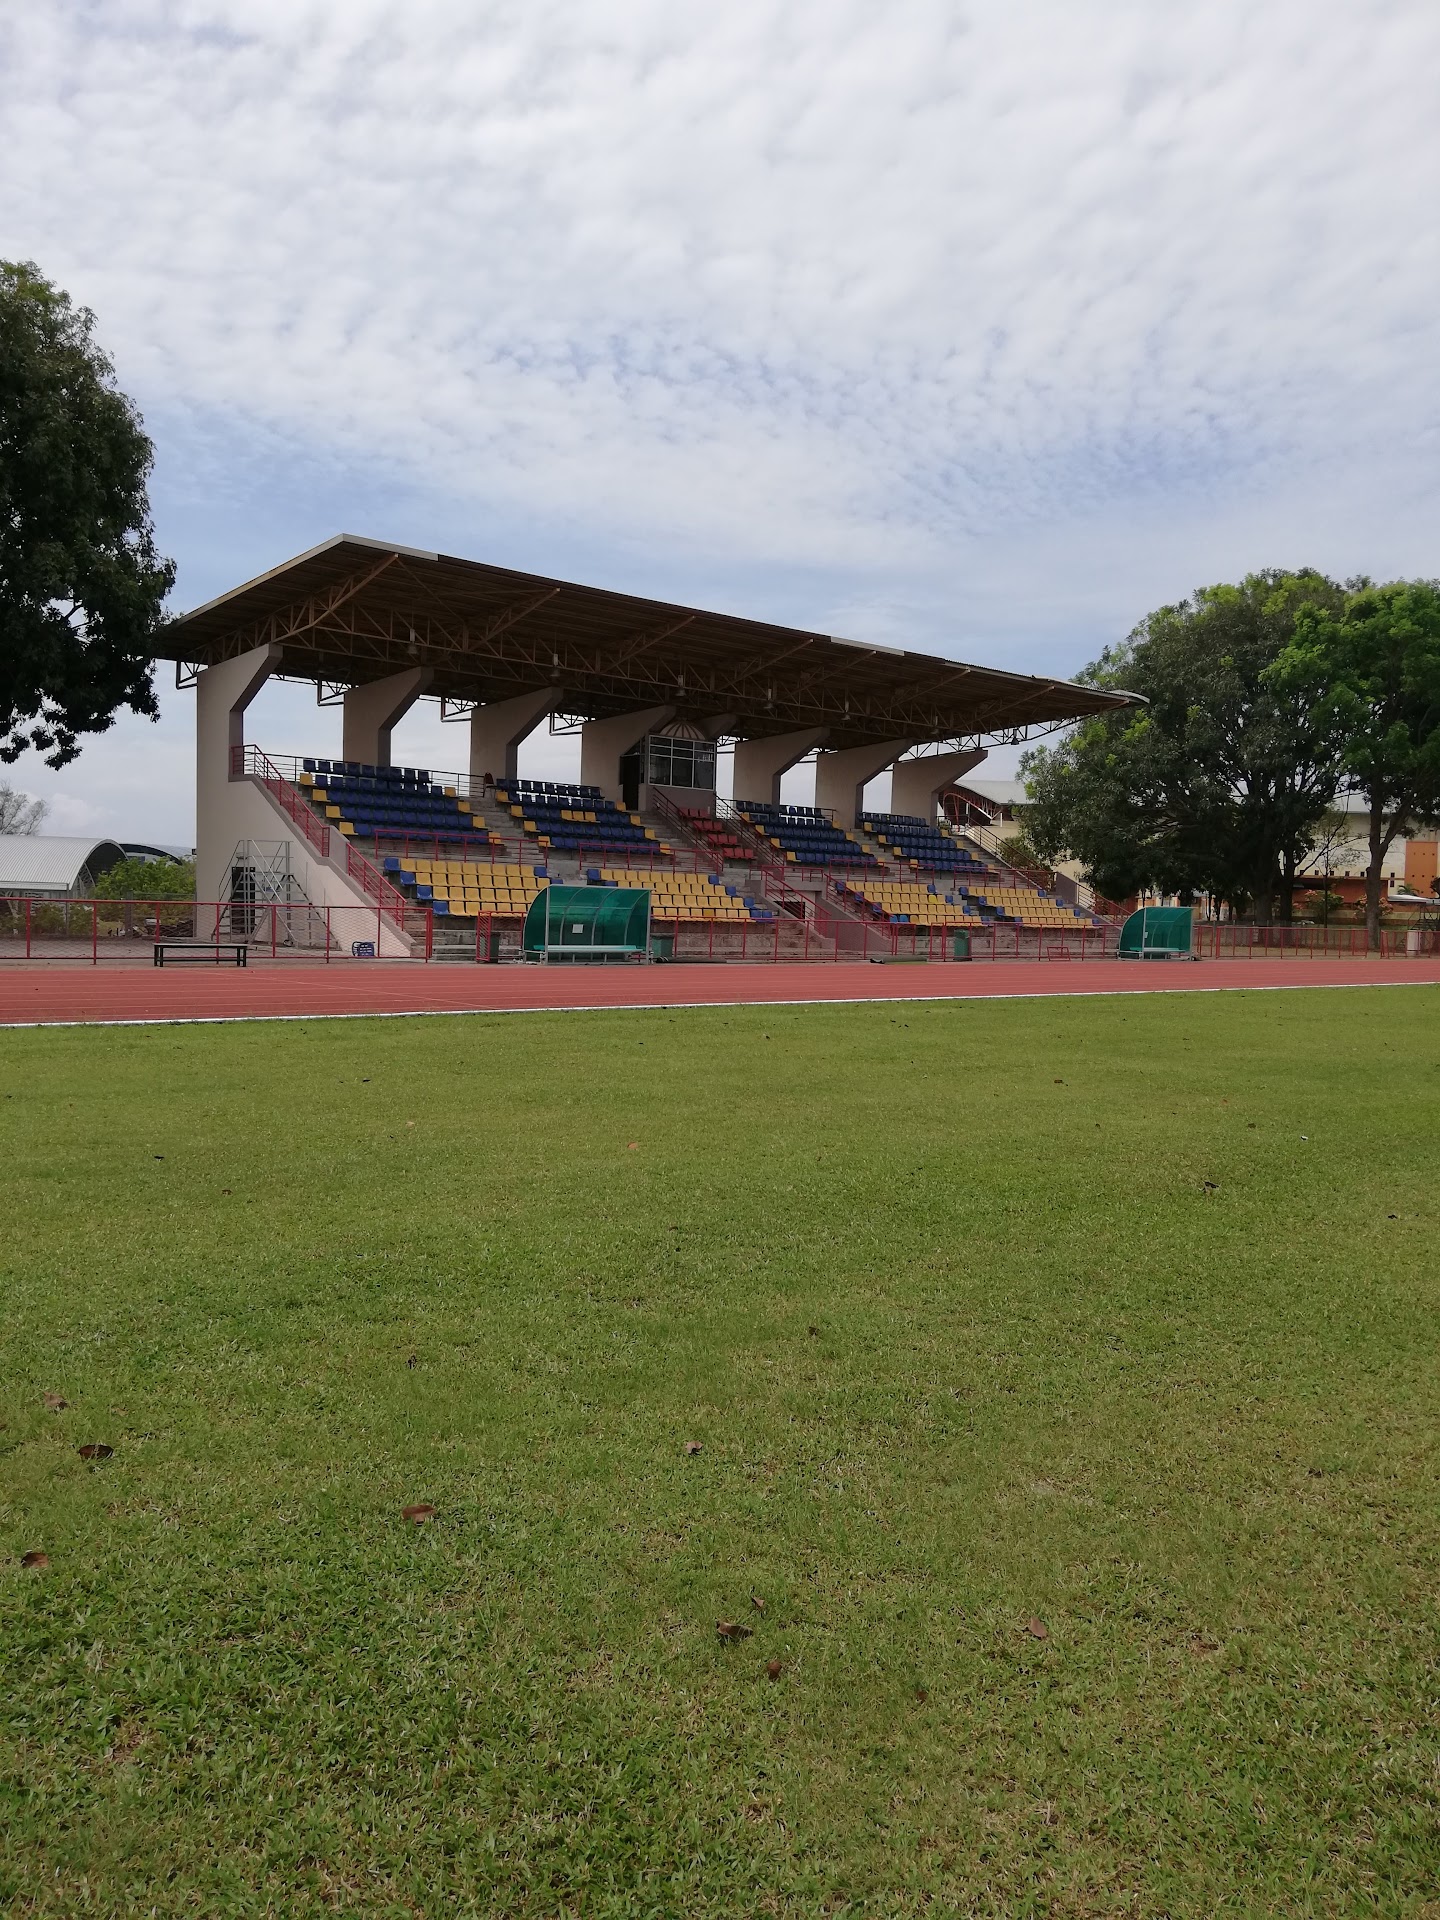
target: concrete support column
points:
(604, 743)
(497, 730)
(371, 711)
(915, 785)
(841, 776)
(760, 763)
(222, 693)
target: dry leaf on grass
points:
(1037, 1629)
(35, 1559)
(773, 1670)
(419, 1513)
(693, 1447)
(632, 1146)
(922, 1694)
(56, 1402)
(732, 1630)
(757, 1603)
(95, 1450)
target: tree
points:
(81, 584)
(18, 812)
(136, 879)
(1218, 784)
(1372, 670)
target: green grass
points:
(966, 1339)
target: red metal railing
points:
(249, 759)
(102, 932)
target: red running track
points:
(55, 995)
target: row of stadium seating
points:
(469, 887)
(717, 835)
(684, 896)
(912, 903)
(806, 836)
(361, 771)
(1028, 906)
(915, 843)
(566, 791)
(371, 807)
(909, 903)
(575, 819)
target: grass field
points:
(1112, 1322)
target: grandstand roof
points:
(353, 610)
(1001, 793)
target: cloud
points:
(988, 325)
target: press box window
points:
(680, 763)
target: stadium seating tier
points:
(389, 803)
(683, 896)
(925, 847)
(805, 836)
(576, 819)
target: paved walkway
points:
(70, 995)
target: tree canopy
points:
(82, 586)
(136, 879)
(1370, 672)
(1218, 784)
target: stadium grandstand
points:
(654, 691)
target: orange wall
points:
(1420, 865)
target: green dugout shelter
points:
(587, 923)
(1157, 933)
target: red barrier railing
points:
(101, 932)
(251, 760)
(393, 904)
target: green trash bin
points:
(662, 946)
(960, 945)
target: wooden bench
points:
(219, 953)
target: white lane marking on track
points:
(683, 1006)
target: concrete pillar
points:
(841, 776)
(915, 784)
(497, 730)
(372, 711)
(760, 763)
(222, 693)
(604, 743)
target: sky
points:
(979, 328)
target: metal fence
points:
(1233, 940)
(801, 928)
(126, 932)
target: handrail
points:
(111, 930)
(665, 807)
(249, 759)
(766, 852)
(388, 899)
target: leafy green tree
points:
(135, 879)
(1218, 784)
(81, 584)
(1371, 670)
